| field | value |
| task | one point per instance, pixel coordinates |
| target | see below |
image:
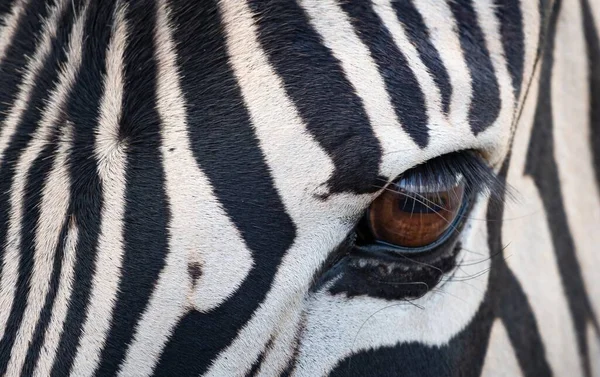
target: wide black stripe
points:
(485, 100)
(146, 211)
(462, 356)
(227, 150)
(325, 99)
(510, 18)
(400, 80)
(11, 74)
(593, 51)
(83, 107)
(37, 341)
(33, 185)
(542, 167)
(418, 33)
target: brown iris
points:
(409, 215)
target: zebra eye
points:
(413, 213)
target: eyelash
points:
(454, 179)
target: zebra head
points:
(299, 187)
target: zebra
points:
(299, 188)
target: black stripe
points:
(228, 152)
(400, 80)
(33, 185)
(542, 167)
(11, 67)
(325, 99)
(5, 8)
(462, 356)
(510, 18)
(593, 51)
(11, 74)
(37, 341)
(417, 31)
(31, 214)
(146, 211)
(509, 299)
(83, 107)
(485, 100)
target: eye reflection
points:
(413, 215)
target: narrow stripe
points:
(511, 22)
(196, 217)
(509, 300)
(56, 187)
(13, 182)
(217, 118)
(50, 210)
(35, 34)
(388, 46)
(83, 108)
(542, 167)
(443, 33)
(146, 213)
(485, 10)
(60, 304)
(110, 154)
(9, 24)
(592, 38)
(572, 148)
(314, 75)
(485, 102)
(419, 36)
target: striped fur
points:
(180, 182)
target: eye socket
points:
(411, 215)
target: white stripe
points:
(299, 168)
(498, 135)
(54, 202)
(10, 273)
(340, 37)
(61, 303)
(500, 359)
(34, 65)
(9, 24)
(431, 92)
(534, 255)
(199, 228)
(439, 20)
(531, 31)
(572, 145)
(111, 157)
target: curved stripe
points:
(110, 153)
(10, 271)
(196, 217)
(54, 201)
(396, 60)
(59, 308)
(486, 102)
(9, 23)
(340, 38)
